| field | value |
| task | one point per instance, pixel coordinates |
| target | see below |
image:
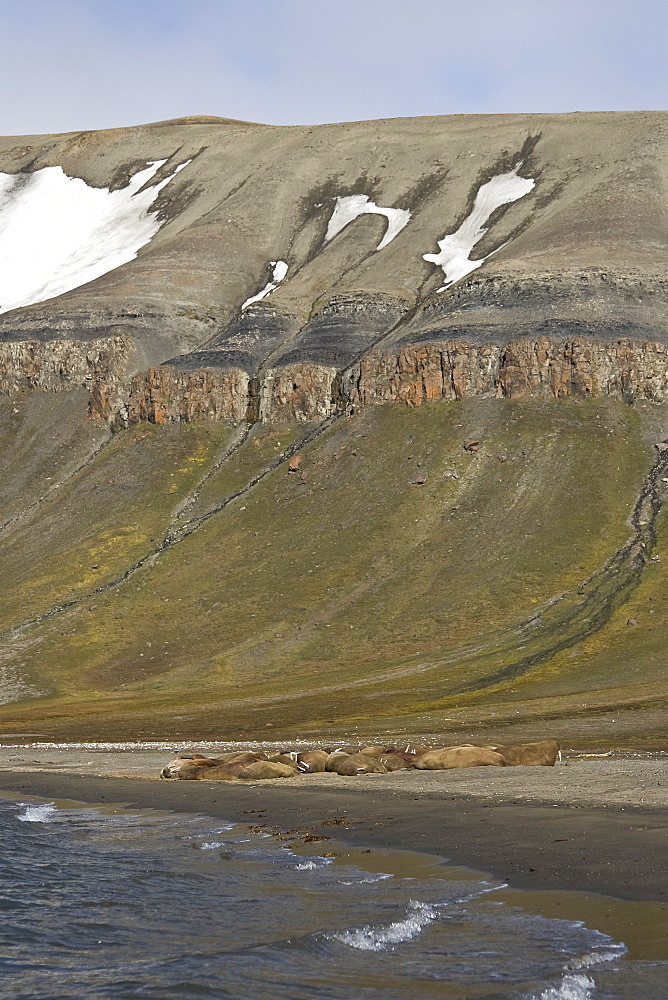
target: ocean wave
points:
(379, 938)
(310, 864)
(577, 985)
(611, 953)
(574, 986)
(42, 812)
(370, 878)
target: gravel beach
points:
(596, 824)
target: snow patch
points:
(349, 208)
(57, 233)
(280, 269)
(455, 248)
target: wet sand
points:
(594, 825)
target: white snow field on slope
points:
(57, 233)
(350, 207)
(455, 249)
(279, 272)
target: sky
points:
(87, 64)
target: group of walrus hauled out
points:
(352, 761)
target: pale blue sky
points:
(79, 64)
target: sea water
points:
(109, 902)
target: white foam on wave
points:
(280, 269)
(350, 207)
(213, 845)
(308, 864)
(57, 232)
(42, 812)
(455, 249)
(370, 938)
(576, 984)
(611, 953)
(369, 879)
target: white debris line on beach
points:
(350, 207)
(57, 232)
(280, 269)
(456, 248)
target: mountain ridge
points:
(466, 456)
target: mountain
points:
(336, 428)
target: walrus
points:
(190, 768)
(221, 772)
(335, 758)
(171, 770)
(288, 757)
(413, 749)
(395, 761)
(544, 753)
(312, 761)
(359, 763)
(299, 759)
(464, 756)
(375, 751)
(267, 769)
(243, 756)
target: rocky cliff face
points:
(412, 374)
(101, 365)
(165, 395)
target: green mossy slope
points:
(395, 578)
(102, 519)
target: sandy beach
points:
(595, 824)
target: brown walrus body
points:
(312, 761)
(411, 751)
(359, 763)
(192, 767)
(335, 758)
(267, 769)
(221, 772)
(395, 761)
(288, 757)
(375, 751)
(465, 756)
(171, 769)
(542, 754)
(242, 757)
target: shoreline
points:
(536, 831)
